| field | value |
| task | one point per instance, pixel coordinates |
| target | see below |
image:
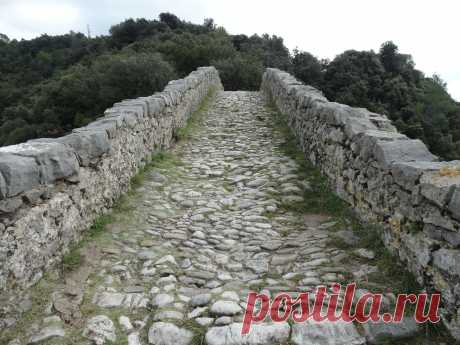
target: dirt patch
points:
(69, 296)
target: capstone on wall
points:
(387, 178)
(51, 190)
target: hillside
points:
(51, 84)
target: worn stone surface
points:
(198, 234)
(162, 333)
(100, 329)
(225, 308)
(83, 174)
(381, 333)
(326, 333)
(261, 334)
(46, 334)
(385, 176)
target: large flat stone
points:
(326, 333)
(260, 334)
(386, 153)
(109, 125)
(369, 138)
(407, 174)
(54, 160)
(447, 260)
(355, 126)
(383, 333)
(438, 187)
(46, 334)
(100, 329)
(20, 173)
(227, 308)
(164, 333)
(88, 145)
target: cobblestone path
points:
(206, 227)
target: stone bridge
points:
(233, 207)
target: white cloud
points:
(28, 19)
(454, 88)
(427, 30)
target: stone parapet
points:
(387, 177)
(52, 190)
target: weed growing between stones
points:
(99, 236)
(39, 297)
(195, 121)
(319, 198)
(73, 258)
(198, 331)
(159, 160)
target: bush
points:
(240, 73)
(82, 93)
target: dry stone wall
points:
(51, 190)
(387, 178)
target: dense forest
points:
(51, 84)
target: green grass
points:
(319, 198)
(161, 160)
(322, 200)
(73, 259)
(39, 295)
(392, 274)
(97, 233)
(196, 119)
(199, 331)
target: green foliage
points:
(195, 121)
(73, 259)
(52, 84)
(242, 72)
(187, 51)
(318, 198)
(308, 68)
(387, 82)
(270, 50)
(4, 39)
(81, 93)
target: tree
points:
(307, 68)
(209, 23)
(127, 31)
(389, 56)
(439, 81)
(4, 38)
(171, 20)
(388, 83)
(355, 78)
(242, 72)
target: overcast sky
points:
(429, 30)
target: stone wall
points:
(51, 190)
(387, 178)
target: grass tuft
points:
(321, 199)
(196, 119)
(317, 199)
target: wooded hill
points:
(51, 84)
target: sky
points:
(426, 29)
